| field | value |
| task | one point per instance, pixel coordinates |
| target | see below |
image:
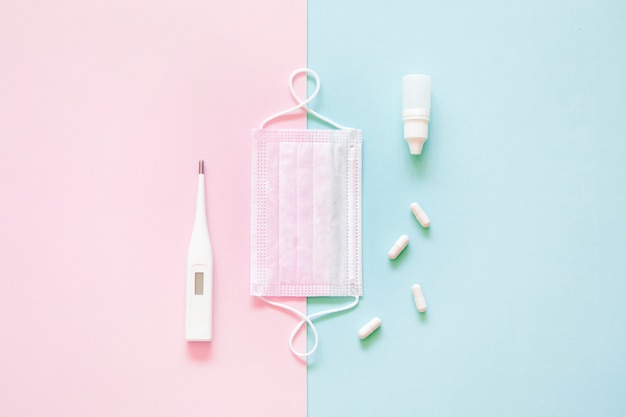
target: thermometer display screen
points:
(199, 286)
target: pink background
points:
(105, 109)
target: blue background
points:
(523, 176)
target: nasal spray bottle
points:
(416, 110)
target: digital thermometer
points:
(199, 317)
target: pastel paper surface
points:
(105, 109)
(306, 213)
(524, 179)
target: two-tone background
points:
(106, 106)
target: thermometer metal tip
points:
(201, 166)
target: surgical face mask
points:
(306, 213)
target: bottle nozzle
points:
(416, 145)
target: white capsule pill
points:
(418, 296)
(420, 215)
(369, 328)
(398, 247)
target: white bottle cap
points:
(416, 110)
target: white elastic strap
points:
(308, 319)
(303, 103)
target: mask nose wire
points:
(302, 104)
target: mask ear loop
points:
(308, 320)
(302, 104)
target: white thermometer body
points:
(199, 316)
